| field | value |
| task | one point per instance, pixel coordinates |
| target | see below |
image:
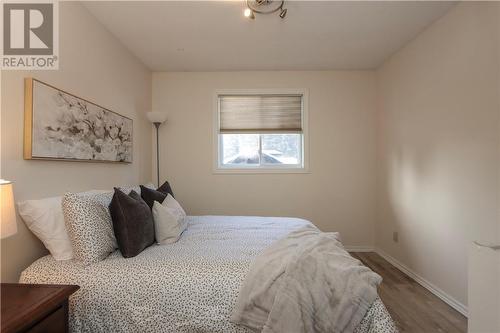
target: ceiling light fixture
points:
(264, 7)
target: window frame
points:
(218, 166)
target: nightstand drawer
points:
(35, 308)
(53, 323)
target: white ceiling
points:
(316, 35)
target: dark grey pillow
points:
(165, 188)
(150, 196)
(132, 223)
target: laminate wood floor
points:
(413, 308)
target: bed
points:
(189, 286)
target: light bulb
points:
(283, 13)
(248, 13)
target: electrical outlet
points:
(395, 236)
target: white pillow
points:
(169, 223)
(170, 202)
(45, 219)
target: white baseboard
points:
(424, 283)
(359, 249)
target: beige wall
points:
(337, 194)
(438, 146)
(95, 66)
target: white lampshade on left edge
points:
(8, 226)
(156, 117)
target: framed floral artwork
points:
(62, 126)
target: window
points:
(260, 132)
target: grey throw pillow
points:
(150, 195)
(166, 188)
(132, 223)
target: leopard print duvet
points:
(188, 286)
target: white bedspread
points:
(306, 282)
(189, 286)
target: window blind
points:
(260, 113)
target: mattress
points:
(188, 286)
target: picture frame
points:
(64, 127)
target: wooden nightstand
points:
(35, 307)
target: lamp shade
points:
(8, 225)
(156, 117)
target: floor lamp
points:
(157, 118)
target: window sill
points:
(254, 171)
